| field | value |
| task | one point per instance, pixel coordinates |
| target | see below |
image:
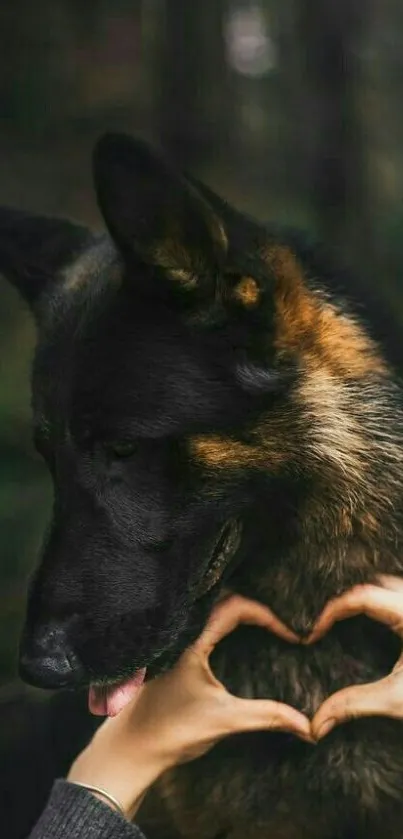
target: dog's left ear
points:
(33, 249)
(155, 214)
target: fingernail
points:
(325, 728)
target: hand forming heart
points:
(383, 603)
(180, 715)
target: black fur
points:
(142, 338)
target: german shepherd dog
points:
(217, 411)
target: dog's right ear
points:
(33, 249)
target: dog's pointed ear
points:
(156, 215)
(33, 249)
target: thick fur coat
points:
(217, 409)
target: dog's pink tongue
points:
(109, 701)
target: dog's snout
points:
(47, 659)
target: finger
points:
(265, 714)
(399, 664)
(383, 698)
(390, 582)
(233, 611)
(375, 602)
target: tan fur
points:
(247, 291)
(185, 265)
(309, 325)
(336, 410)
(223, 453)
(180, 264)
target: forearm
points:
(74, 813)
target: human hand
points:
(383, 603)
(180, 715)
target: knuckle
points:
(236, 601)
(357, 595)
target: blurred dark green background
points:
(291, 108)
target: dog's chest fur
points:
(272, 785)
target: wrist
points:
(125, 776)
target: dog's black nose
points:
(47, 659)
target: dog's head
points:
(167, 394)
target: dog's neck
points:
(344, 523)
(296, 579)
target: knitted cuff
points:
(74, 813)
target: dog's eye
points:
(123, 448)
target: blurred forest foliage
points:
(291, 109)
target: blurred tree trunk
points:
(193, 98)
(336, 169)
(25, 43)
(322, 72)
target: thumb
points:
(382, 698)
(265, 714)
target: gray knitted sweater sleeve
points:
(74, 813)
